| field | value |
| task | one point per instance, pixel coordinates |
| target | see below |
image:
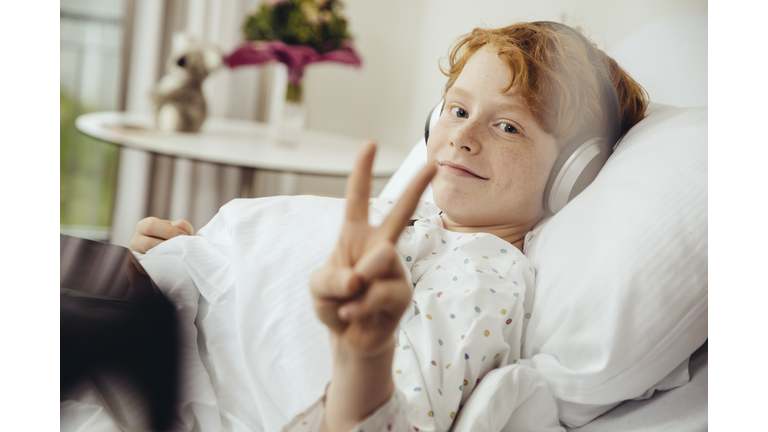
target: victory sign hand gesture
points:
(362, 291)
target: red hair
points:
(552, 71)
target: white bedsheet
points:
(253, 353)
(251, 264)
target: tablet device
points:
(116, 329)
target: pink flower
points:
(295, 57)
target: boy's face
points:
(493, 158)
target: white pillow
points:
(407, 171)
(621, 284)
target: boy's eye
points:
(508, 128)
(458, 112)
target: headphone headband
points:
(609, 100)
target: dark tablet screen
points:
(116, 327)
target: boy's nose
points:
(466, 137)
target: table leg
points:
(131, 195)
(181, 190)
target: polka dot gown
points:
(468, 294)
(468, 319)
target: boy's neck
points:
(513, 234)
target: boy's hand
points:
(362, 292)
(152, 231)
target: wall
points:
(401, 43)
(372, 101)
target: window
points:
(91, 51)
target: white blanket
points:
(254, 355)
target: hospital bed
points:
(620, 306)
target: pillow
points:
(407, 171)
(621, 285)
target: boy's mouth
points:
(459, 170)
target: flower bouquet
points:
(296, 33)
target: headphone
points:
(582, 158)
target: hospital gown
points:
(468, 317)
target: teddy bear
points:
(178, 96)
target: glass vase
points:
(293, 119)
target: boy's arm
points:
(363, 343)
(361, 294)
(358, 388)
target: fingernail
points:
(182, 233)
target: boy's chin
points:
(458, 211)
(447, 196)
(469, 211)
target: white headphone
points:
(582, 158)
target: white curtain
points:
(174, 188)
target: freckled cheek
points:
(537, 170)
(522, 172)
(432, 145)
(439, 135)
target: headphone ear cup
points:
(577, 166)
(432, 118)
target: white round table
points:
(240, 143)
(230, 142)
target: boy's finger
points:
(396, 220)
(384, 297)
(359, 184)
(380, 262)
(334, 283)
(159, 228)
(184, 226)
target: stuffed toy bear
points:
(178, 97)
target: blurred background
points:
(114, 51)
